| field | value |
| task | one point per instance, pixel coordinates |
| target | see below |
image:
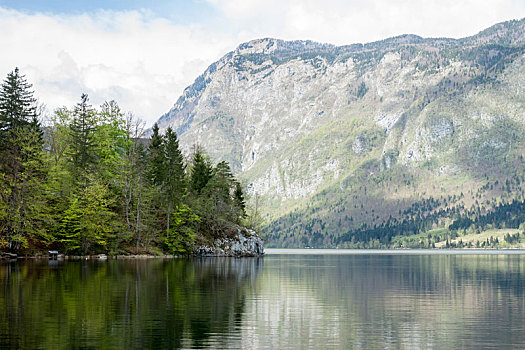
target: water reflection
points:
(391, 301)
(289, 301)
(123, 304)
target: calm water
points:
(318, 300)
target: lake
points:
(300, 299)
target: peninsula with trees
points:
(85, 181)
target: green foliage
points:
(22, 167)
(214, 196)
(82, 147)
(88, 224)
(96, 292)
(4, 212)
(201, 171)
(175, 176)
(17, 104)
(90, 184)
(166, 174)
(109, 139)
(239, 201)
(226, 194)
(182, 231)
(156, 157)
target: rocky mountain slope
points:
(336, 141)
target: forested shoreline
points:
(85, 181)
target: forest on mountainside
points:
(423, 224)
(84, 181)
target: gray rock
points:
(245, 243)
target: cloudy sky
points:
(143, 53)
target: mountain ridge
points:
(244, 48)
(304, 122)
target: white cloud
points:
(350, 21)
(144, 62)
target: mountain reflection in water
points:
(279, 301)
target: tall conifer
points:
(17, 104)
(21, 163)
(175, 179)
(201, 171)
(82, 136)
(156, 171)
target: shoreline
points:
(95, 257)
(396, 251)
(287, 251)
(121, 257)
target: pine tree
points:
(144, 198)
(220, 188)
(215, 202)
(156, 176)
(82, 130)
(156, 171)
(22, 168)
(17, 104)
(240, 202)
(175, 167)
(175, 177)
(17, 112)
(201, 171)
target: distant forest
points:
(86, 182)
(422, 225)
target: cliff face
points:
(331, 138)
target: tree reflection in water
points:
(290, 301)
(150, 303)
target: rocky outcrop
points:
(245, 243)
(8, 256)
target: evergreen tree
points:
(22, 168)
(201, 171)
(240, 202)
(156, 172)
(17, 104)
(17, 113)
(94, 187)
(175, 167)
(60, 180)
(156, 175)
(220, 189)
(226, 191)
(175, 177)
(144, 198)
(82, 130)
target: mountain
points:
(355, 145)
